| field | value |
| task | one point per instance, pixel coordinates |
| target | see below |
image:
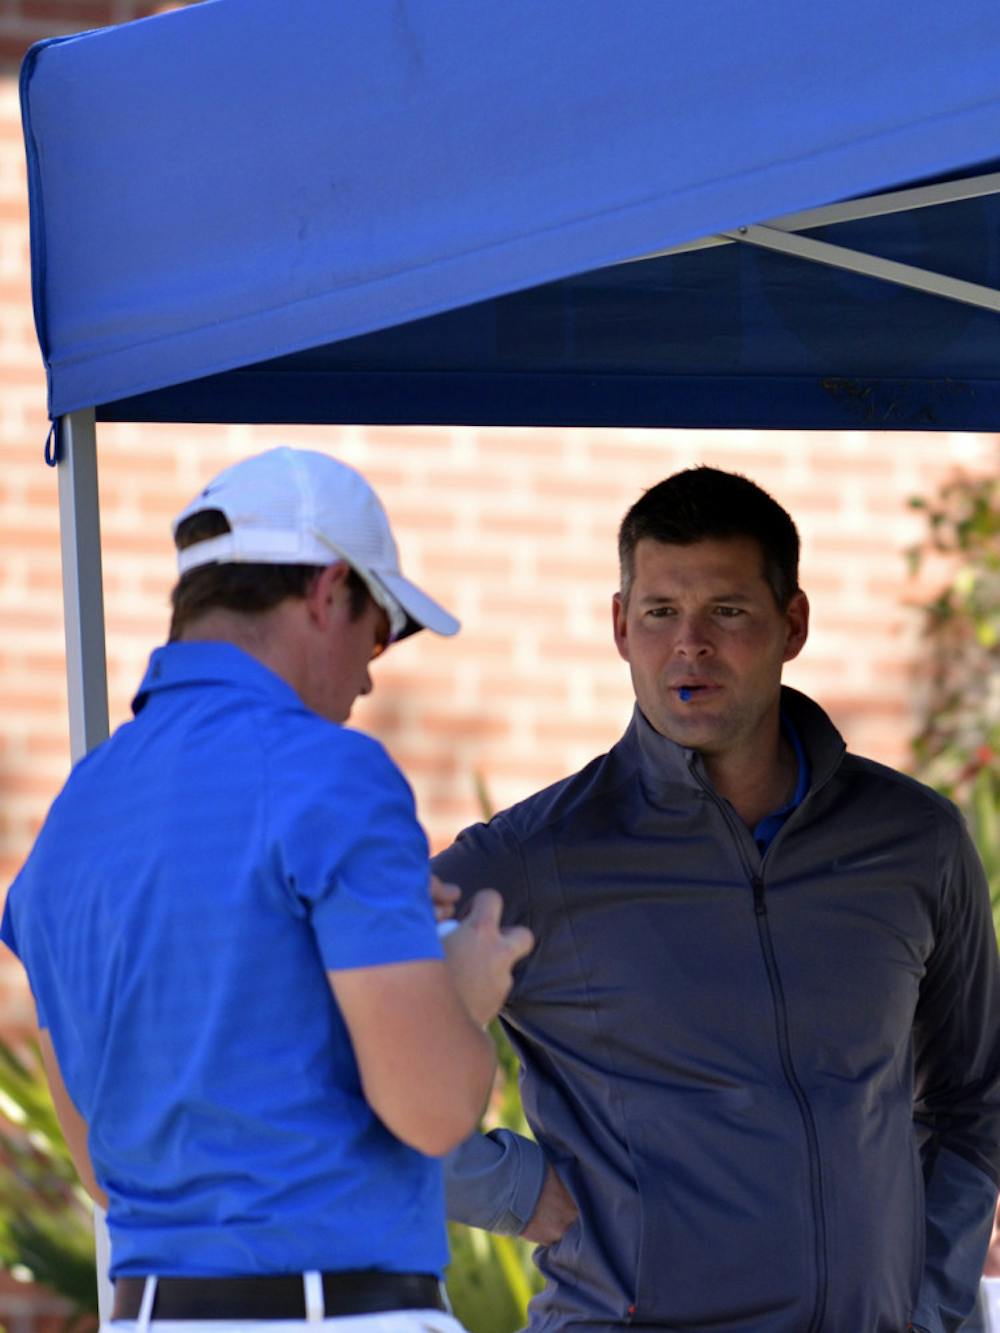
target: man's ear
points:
(797, 622)
(619, 625)
(326, 591)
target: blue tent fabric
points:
(721, 338)
(417, 210)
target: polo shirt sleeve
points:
(7, 930)
(8, 935)
(354, 859)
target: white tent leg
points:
(102, 1258)
(83, 595)
(86, 665)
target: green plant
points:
(46, 1221)
(957, 747)
(492, 1278)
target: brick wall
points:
(513, 529)
(25, 21)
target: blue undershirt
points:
(766, 829)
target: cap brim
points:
(422, 612)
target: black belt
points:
(281, 1296)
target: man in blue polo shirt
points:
(255, 1043)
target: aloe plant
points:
(492, 1278)
(46, 1220)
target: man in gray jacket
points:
(759, 1035)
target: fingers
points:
(486, 912)
(486, 909)
(443, 898)
(520, 942)
(554, 1212)
(481, 954)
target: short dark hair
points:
(705, 503)
(240, 587)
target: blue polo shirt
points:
(192, 884)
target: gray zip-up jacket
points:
(771, 1084)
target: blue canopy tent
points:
(436, 211)
(651, 214)
(230, 202)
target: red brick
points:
(76, 14)
(480, 563)
(12, 49)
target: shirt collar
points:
(203, 662)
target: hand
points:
(481, 955)
(444, 897)
(554, 1212)
(992, 1268)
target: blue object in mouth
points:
(685, 694)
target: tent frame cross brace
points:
(781, 234)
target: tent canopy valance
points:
(420, 210)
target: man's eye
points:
(729, 612)
(660, 612)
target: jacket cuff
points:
(959, 1205)
(494, 1181)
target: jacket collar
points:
(663, 763)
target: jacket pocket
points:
(726, 1222)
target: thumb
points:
(519, 941)
(486, 909)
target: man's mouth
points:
(689, 690)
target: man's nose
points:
(691, 638)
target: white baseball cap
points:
(299, 507)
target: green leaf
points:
(46, 1225)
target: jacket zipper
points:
(756, 881)
(805, 1110)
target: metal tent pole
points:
(781, 234)
(855, 261)
(86, 663)
(850, 210)
(83, 594)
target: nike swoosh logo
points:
(861, 862)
